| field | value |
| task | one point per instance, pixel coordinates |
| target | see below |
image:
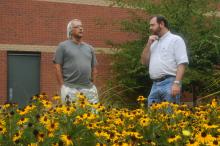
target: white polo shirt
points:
(166, 54)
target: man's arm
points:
(179, 76)
(58, 71)
(94, 74)
(145, 56)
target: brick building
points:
(31, 30)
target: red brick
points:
(44, 23)
(3, 77)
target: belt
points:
(162, 78)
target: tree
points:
(195, 20)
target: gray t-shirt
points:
(77, 61)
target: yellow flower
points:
(144, 122)
(40, 137)
(122, 144)
(17, 136)
(210, 126)
(141, 98)
(22, 121)
(33, 144)
(23, 111)
(136, 135)
(55, 144)
(52, 126)
(204, 138)
(92, 126)
(44, 120)
(99, 144)
(192, 143)
(66, 139)
(5, 106)
(2, 122)
(30, 107)
(68, 110)
(118, 121)
(47, 104)
(173, 138)
(2, 129)
(89, 116)
(100, 133)
(56, 97)
(214, 103)
(98, 107)
(186, 132)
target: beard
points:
(156, 31)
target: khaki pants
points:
(90, 93)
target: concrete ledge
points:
(40, 48)
(85, 2)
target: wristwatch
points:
(176, 82)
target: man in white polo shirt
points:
(166, 55)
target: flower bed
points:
(45, 122)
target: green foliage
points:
(194, 20)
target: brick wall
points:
(3, 76)
(44, 23)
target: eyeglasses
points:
(78, 26)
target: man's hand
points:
(151, 39)
(175, 90)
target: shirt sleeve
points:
(58, 56)
(180, 52)
(94, 61)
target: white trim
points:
(84, 2)
(41, 48)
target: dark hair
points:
(160, 19)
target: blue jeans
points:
(161, 91)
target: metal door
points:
(23, 77)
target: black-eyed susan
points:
(55, 144)
(44, 120)
(52, 126)
(47, 104)
(204, 138)
(173, 138)
(56, 97)
(68, 110)
(40, 137)
(136, 135)
(3, 129)
(144, 121)
(23, 121)
(66, 139)
(30, 107)
(141, 99)
(210, 126)
(192, 143)
(50, 134)
(23, 111)
(17, 136)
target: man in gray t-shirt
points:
(75, 65)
